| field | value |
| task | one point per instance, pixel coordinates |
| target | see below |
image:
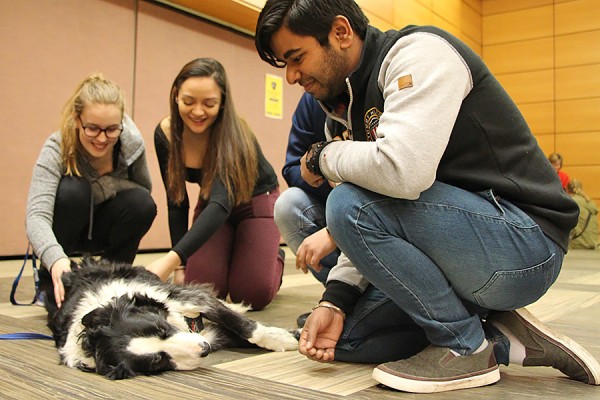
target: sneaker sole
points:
(571, 347)
(421, 385)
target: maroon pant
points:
(242, 258)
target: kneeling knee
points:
(143, 207)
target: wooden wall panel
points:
(578, 116)
(461, 15)
(378, 22)
(532, 23)
(475, 5)
(546, 142)
(408, 12)
(539, 117)
(456, 31)
(529, 87)
(579, 149)
(577, 16)
(522, 56)
(502, 6)
(578, 48)
(578, 82)
(426, 3)
(383, 9)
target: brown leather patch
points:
(405, 82)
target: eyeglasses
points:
(93, 131)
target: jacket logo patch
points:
(405, 82)
(371, 123)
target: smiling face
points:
(103, 116)
(321, 71)
(199, 102)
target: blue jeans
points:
(445, 259)
(298, 215)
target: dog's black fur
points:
(120, 320)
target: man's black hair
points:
(305, 18)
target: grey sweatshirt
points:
(131, 172)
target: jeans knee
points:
(339, 207)
(290, 207)
(282, 211)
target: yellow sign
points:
(273, 96)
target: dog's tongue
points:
(195, 324)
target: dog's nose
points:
(205, 346)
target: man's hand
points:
(320, 334)
(310, 178)
(313, 249)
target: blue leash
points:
(36, 278)
(25, 335)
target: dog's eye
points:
(163, 332)
(157, 358)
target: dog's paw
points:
(84, 367)
(296, 332)
(273, 338)
(121, 371)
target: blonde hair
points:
(574, 186)
(233, 156)
(94, 89)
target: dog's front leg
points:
(267, 337)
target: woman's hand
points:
(320, 334)
(179, 276)
(165, 265)
(313, 249)
(59, 267)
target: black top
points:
(218, 206)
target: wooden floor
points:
(29, 368)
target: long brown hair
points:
(94, 89)
(231, 156)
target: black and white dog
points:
(120, 320)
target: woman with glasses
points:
(90, 188)
(233, 242)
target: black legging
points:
(118, 224)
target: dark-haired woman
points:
(233, 242)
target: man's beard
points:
(334, 75)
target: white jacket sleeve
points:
(416, 123)
(345, 272)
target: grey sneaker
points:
(547, 348)
(437, 369)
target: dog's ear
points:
(94, 322)
(95, 318)
(121, 371)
